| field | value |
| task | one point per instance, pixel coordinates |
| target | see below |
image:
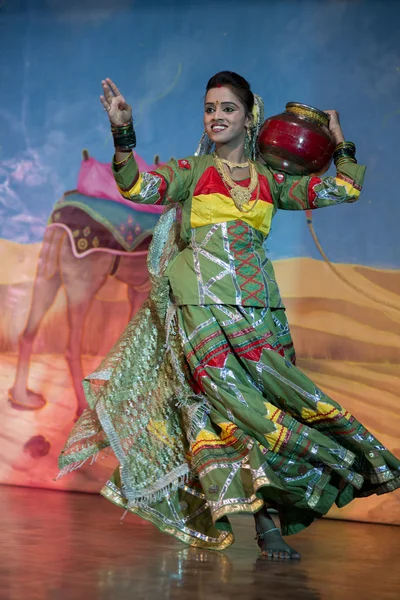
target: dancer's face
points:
(225, 117)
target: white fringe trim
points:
(158, 491)
(74, 466)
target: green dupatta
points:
(139, 399)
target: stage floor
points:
(58, 545)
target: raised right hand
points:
(119, 111)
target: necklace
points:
(239, 194)
(233, 165)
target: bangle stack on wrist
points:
(124, 137)
(344, 152)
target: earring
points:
(248, 150)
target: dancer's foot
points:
(273, 545)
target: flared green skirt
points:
(267, 433)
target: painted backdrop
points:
(72, 268)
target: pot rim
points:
(308, 112)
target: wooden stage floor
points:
(58, 545)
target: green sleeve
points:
(292, 192)
(169, 183)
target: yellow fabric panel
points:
(351, 190)
(209, 436)
(134, 191)
(160, 430)
(209, 439)
(273, 413)
(276, 438)
(217, 208)
(323, 412)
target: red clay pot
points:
(297, 141)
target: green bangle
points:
(124, 136)
(345, 152)
(123, 126)
(346, 145)
(343, 161)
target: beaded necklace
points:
(239, 194)
(233, 165)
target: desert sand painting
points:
(347, 341)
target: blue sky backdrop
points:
(331, 54)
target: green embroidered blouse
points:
(224, 260)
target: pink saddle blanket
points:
(96, 179)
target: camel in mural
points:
(81, 248)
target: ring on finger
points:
(107, 108)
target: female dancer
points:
(200, 399)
